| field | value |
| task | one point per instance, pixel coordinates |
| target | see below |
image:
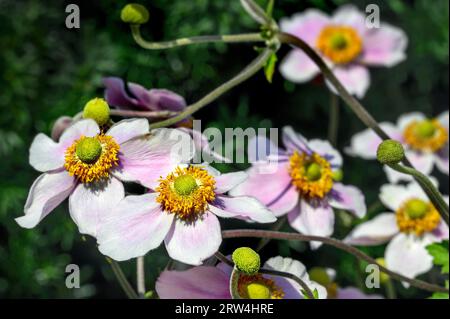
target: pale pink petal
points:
(442, 160)
(423, 162)
(442, 231)
(46, 193)
(306, 25)
(348, 198)
(225, 182)
(355, 293)
(125, 130)
(298, 67)
(406, 119)
(384, 46)
(201, 282)
(90, 204)
(260, 148)
(137, 225)
(406, 254)
(365, 143)
(45, 154)
(325, 149)
(444, 119)
(87, 127)
(350, 15)
(294, 141)
(313, 220)
(247, 208)
(355, 78)
(193, 242)
(274, 189)
(146, 159)
(377, 231)
(394, 196)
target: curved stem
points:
(140, 276)
(245, 74)
(298, 280)
(124, 283)
(432, 192)
(333, 122)
(232, 38)
(146, 114)
(332, 242)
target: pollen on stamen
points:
(428, 135)
(418, 217)
(341, 44)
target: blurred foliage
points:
(47, 70)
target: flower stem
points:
(124, 283)
(333, 124)
(298, 280)
(140, 275)
(432, 192)
(256, 233)
(232, 38)
(146, 114)
(245, 74)
(390, 290)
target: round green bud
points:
(416, 208)
(258, 291)
(313, 172)
(184, 185)
(320, 275)
(246, 260)
(98, 110)
(338, 175)
(89, 150)
(425, 129)
(383, 277)
(134, 13)
(390, 152)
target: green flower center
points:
(425, 129)
(185, 185)
(89, 150)
(416, 208)
(258, 291)
(313, 172)
(338, 42)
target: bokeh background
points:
(47, 70)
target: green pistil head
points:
(246, 260)
(89, 150)
(337, 175)
(416, 208)
(390, 152)
(320, 276)
(258, 291)
(98, 110)
(425, 129)
(184, 185)
(134, 13)
(313, 172)
(338, 42)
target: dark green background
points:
(47, 71)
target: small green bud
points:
(89, 150)
(320, 276)
(390, 152)
(134, 13)
(258, 291)
(98, 110)
(313, 172)
(246, 260)
(426, 129)
(185, 184)
(338, 175)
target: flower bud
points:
(60, 126)
(134, 13)
(98, 110)
(390, 152)
(246, 260)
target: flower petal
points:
(384, 46)
(46, 193)
(406, 254)
(294, 141)
(80, 128)
(355, 293)
(442, 159)
(117, 96)
(393, 196)
(125, 130)
(406, 119)
(349, 198)
(45, 154)
(272, 188)
(146, 159)
(350, 15)
(163, 99)
(374, 232)
(193, 242)
(306, 25)
(260, 148)
(423, 162)
(201, 282)
(225, 182)
(247, 208)
(136, 225)
(355, 78)
(90, 204)
(297, 67)
(325, 149)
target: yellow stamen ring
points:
(186, 192)
(417, 216)
(311, 175)
(428, 135)
(90, 159)
(258, 287)
(339, 43)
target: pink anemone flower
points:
(182, 212)
(209, 282)
(88, 166)
(302, 182)
(346, 43)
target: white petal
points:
(45, 154)
(297, 67)
(349, 198)
(374, 232)
(80, 128)
(325, 149)
(355, 78)
(406, 119)
(225, 182)
(125, 130)
(247, 208)
(393, 196)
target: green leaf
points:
(315, 294)
(269, 8)
(269, 68)
(439, 295)
(439, 252)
